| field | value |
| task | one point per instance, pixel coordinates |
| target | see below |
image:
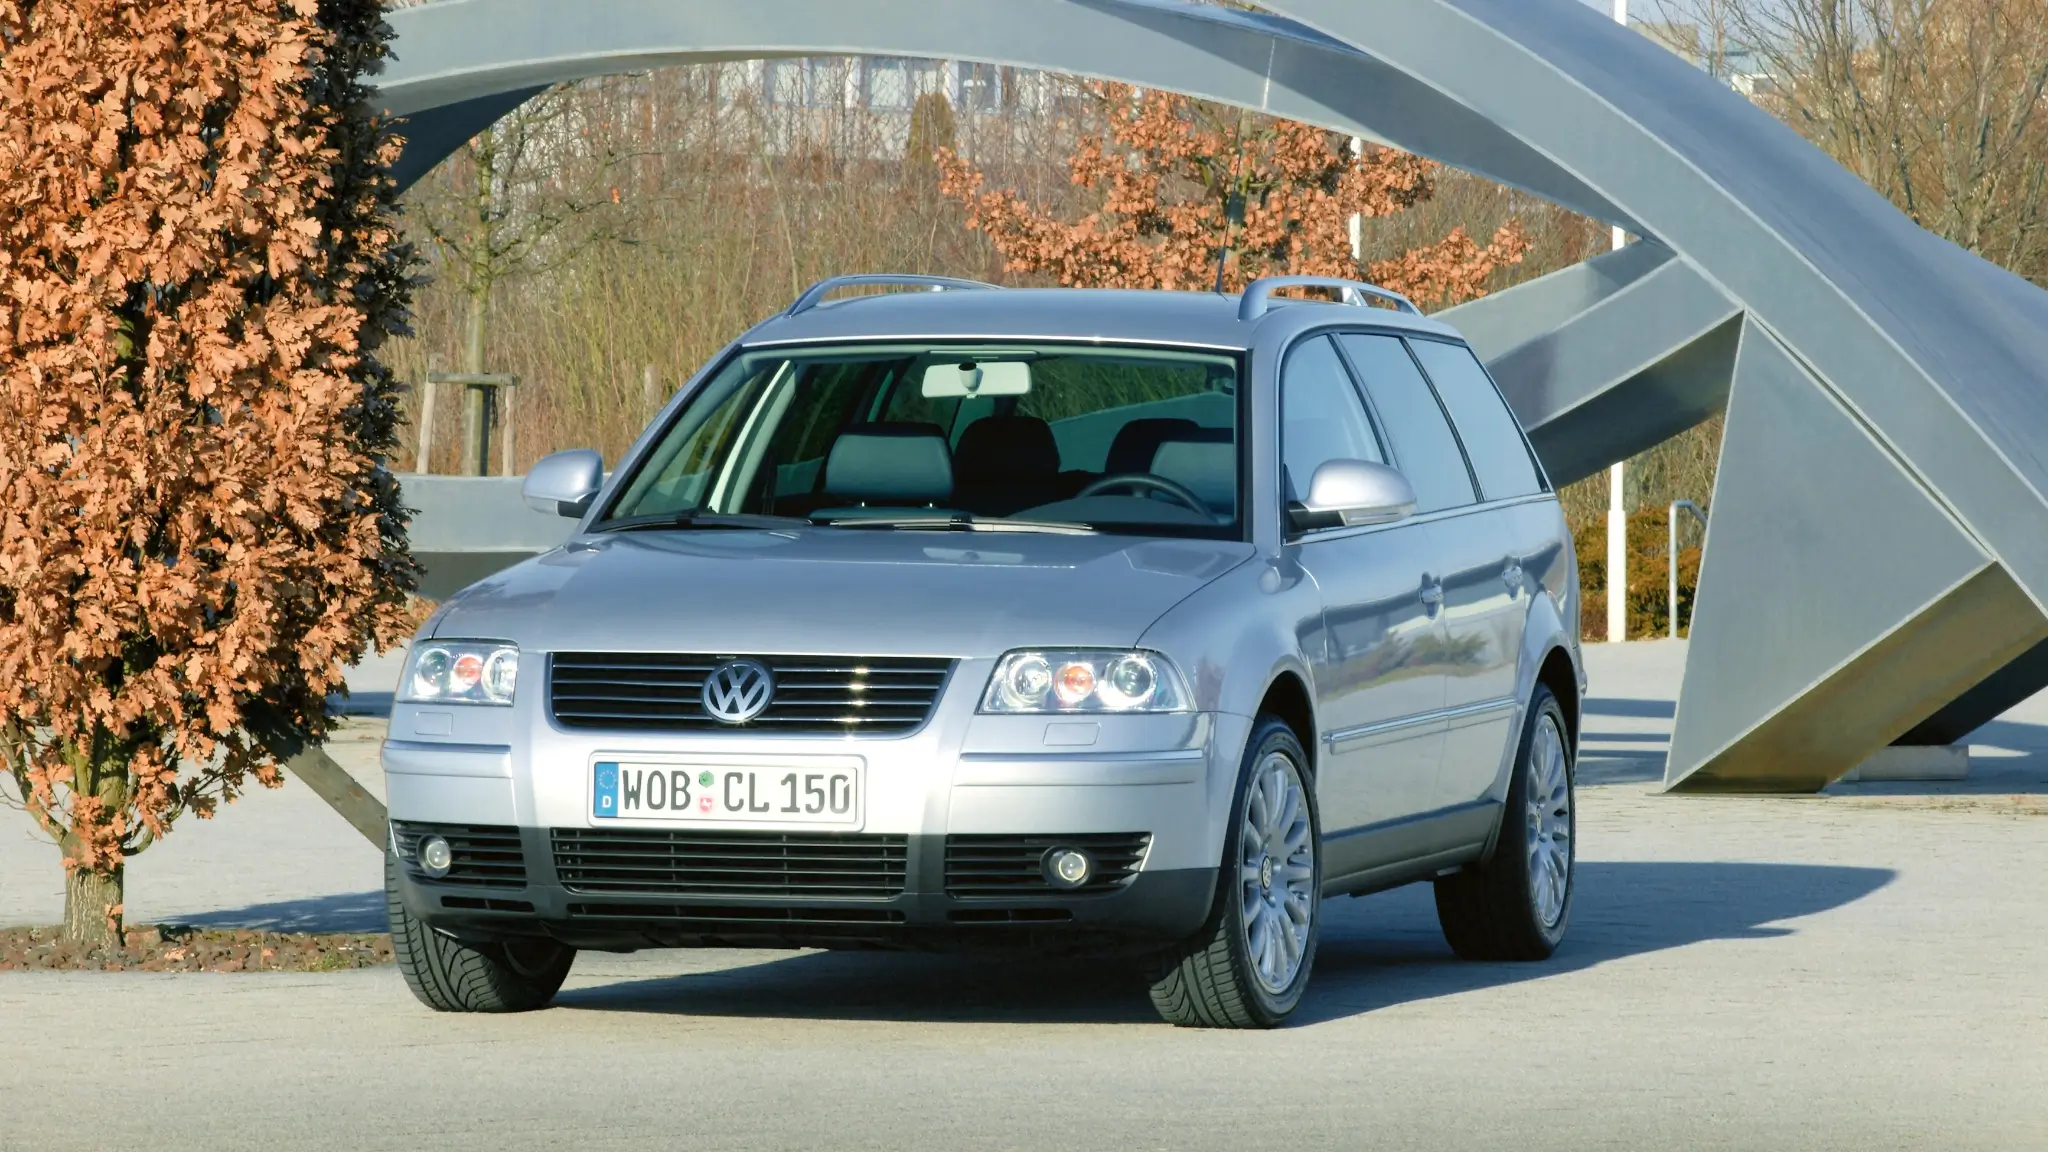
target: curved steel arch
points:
(1879, 556)
(464, 57)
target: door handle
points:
(1432, 592)
(1512, 577)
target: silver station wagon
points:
(1134, 624)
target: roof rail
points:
(816, 293)
(1258, 294)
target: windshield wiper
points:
(745, 521)
(955, 523)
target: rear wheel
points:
(1516, 906)
(450, 976)
(1249, 965)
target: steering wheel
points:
(1180, 493)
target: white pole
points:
(1617, 513)
(1357, 218)
(425, 463)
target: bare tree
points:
(524, 195)
(1938, 104)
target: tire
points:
(450, 976)
(1499, 910)
(1221, 978)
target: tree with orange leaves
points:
(1184, 186)
(198, 264)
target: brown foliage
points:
(174, 948)
(1180, 182)
(197, 267)
(1649, 568)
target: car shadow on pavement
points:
(1376, 952)
(889, 986)
(1390, 950)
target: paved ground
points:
(1863, 970)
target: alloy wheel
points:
(1549, 823)
(1277, 873)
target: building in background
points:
(812, 98)
(893, 83)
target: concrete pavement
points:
(1862, 970)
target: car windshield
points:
(1132, 440)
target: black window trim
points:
(1373, 424)
(1544, 486)
(1401, 336)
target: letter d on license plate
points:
(826, 792)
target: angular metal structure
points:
(1878, 561)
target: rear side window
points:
(1424, 449)
(1493, 438)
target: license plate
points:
(703, 793)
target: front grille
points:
(659, 692)
(1010, 915)
(1012, 865)
(747, 864)
(485, 856)
(730, 918)
(479, 904)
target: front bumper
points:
(962, 775)
(528, 885)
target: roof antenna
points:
(1233, 215)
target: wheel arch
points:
(1287, 697)
(1560, 674)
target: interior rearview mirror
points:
(564, 483)
(962, 378)
(1352, 494)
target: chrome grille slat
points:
(661, 692)
(834, 719)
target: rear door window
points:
(1424, 449)
(1493, 438)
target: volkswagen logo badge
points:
(738, 690)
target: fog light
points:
(436, 857)
(1068, 867)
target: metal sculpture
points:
(1878, 560)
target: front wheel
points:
(448, 975)
(1516, 906)
(1248, 967)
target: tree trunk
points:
(475, 412)
(92, 900)
(483, 256)
(92, 907)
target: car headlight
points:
(1085, 680)
(460, 672)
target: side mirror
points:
(565, 483)
(1353, 494)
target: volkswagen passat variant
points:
(1134, 623)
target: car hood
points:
(868, 592)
